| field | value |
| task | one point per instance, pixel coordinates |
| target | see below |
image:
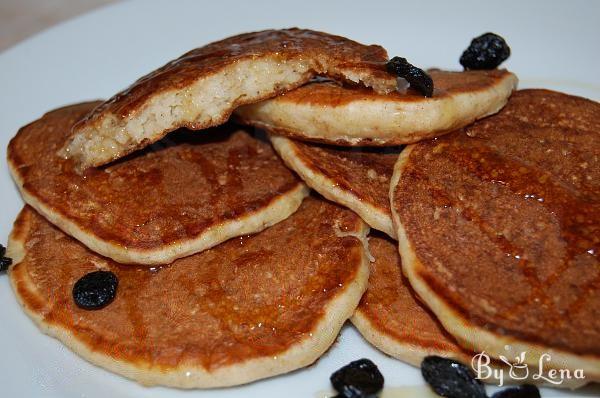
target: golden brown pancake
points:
(499, 230)
(201, 88)
(186, 194)
(249, 308)
(393, 319)
(358, 178)
(353, 116)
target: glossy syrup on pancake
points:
(358, 178)
(499, 229)
(201, 88)
(357, 116)
(396, 321)
(183, 195)
(249, 308)
(392, 318)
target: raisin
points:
(451, 379)
(5, 262)
(358, 379)
(416, 77)
(95, 290)
(485, 52)
(524, 391)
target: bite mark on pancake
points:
(201, 88)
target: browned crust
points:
(210, 59)
(185, 366)
(548, 112)
(42, 177)
(392, 318)
(356, 179)
(334, 56)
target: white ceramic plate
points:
(554, 45)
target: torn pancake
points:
(183, 196)
(356, 178)
(393, 319)
(201, 88)
(499, 230)
(357, 116)
(249, 308)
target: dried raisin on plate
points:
(358, 379)
(5, 262)
(451, 379)
(523, 391)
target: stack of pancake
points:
(230, 270)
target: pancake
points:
(393, 319)
(349, 116)
(249, 308)
(499, 230)
(202, 87)
(356, 178)
(184, 195)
